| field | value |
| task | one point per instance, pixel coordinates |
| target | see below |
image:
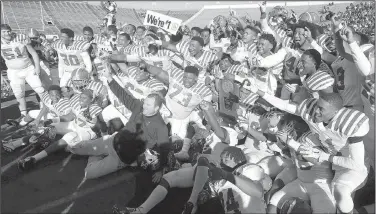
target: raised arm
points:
(159, 73)
(360, 59)
(210, 116)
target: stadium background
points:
(56, 185)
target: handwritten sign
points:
(167, 23)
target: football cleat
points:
(27, 163)
(15, 122)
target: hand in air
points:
(347, 35)
(262, 6)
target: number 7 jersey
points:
(181, 101)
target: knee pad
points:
(203, 161)
(164, 183)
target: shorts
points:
(179, 127)
(73, 134)
(17, 80)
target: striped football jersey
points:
(84, 116)
(15, 52)
(346, 123)
(181, 101)
(61, 108)
(69, 57)
(318, 81)
(201, 63)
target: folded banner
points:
(167, 23)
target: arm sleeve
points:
(283, 105)
(355, 160)
(360, 60)
(126, 98)
(273, 60)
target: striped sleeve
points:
(141, 51)
(286, 42)
(350, 123)
(45, 98)
(320, 80)
(74, 102)
(252, 48)
(307, 109)
(80, 45)
(94, 110)
(203, 91)
(323, 40)
(182, 47)
(63, 107)
(132, 71)
(176, 73)
(249, 101)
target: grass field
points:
(56, 185)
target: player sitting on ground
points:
(341, 132)
(183, 96)
(54, 106)
(75, 126)
(21, 68)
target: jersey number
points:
(186, 98)
(12, 54)
(231, 204)
(341, 79)
(70, 60)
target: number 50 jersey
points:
(181, 101)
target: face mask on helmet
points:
(80, 85)
(149, 160)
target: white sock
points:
(186, 145)
(40, 155)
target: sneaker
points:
(25, 120)
(27, 163)
(15, 122)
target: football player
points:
(21, 68)
(72, 54)
(184, 94)
(366, 67)
(197, 175)
(193, 54)
(312, 181)
(75, 126)
(54, 106)
(341, 132)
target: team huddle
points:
(273, 116)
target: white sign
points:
(167, 23)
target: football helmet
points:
(80, 79)
(149, 160)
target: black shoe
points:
(15, 122)
(27, 163)
(188, 208)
